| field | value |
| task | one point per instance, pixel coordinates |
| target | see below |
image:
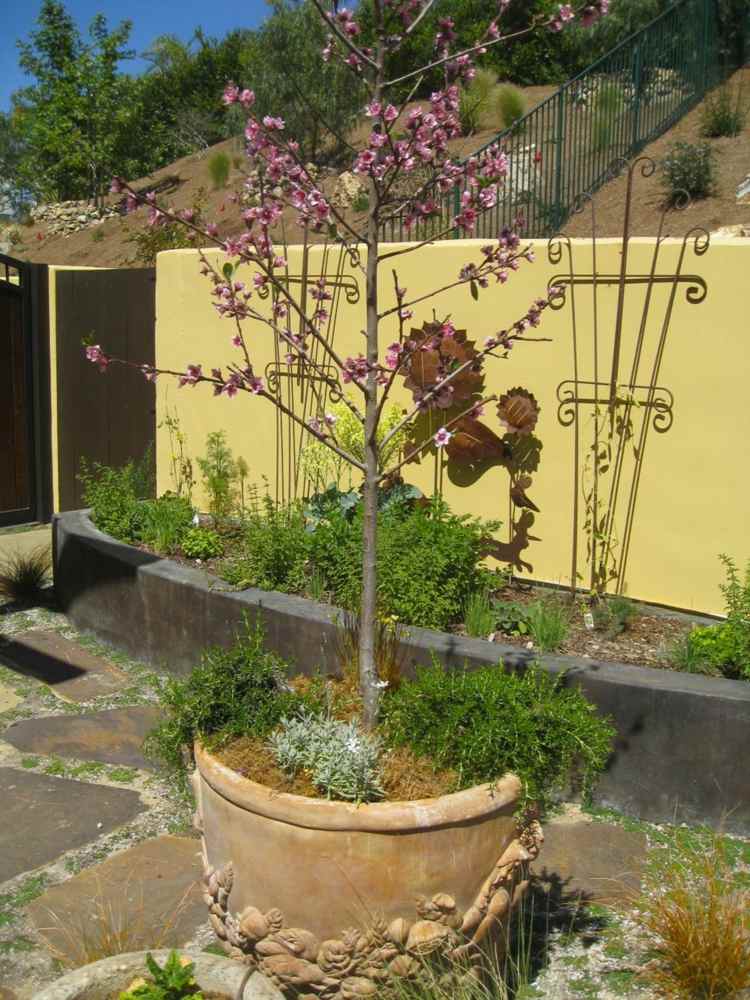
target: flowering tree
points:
(404, 174)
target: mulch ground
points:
(645, 641)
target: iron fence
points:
(568, 145)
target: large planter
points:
(331, 897)
(105, 979)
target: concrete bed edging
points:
(682, 739)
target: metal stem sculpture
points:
(625, 398)
(306, 388)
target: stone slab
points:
(595, 862)
(152, 890)
(114, 736)
(7, 994)
(44, 816)
(72, 672)
(8, 699)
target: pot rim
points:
(468, 806)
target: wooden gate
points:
(22, 388)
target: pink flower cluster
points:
(96, 356)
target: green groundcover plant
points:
(478, 724)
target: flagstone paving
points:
(71, 671)
(43, 817)
(75, 854)
(594, 862)
(152, 890)
(114, 736)
(8, 699)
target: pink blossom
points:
(116, 186)
(373, 109)
(193, 374)
(231, 93)
(247, 98)
(96, 356)
(442, 437)
(393, 355)
(255, 385)
(330, 419)
(391, 113)
(149, 373)
(273, 124)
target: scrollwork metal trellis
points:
(622, 395)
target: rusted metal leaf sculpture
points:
(518, 411)
(473, 441)
(435, 356)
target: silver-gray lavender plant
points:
(342, 759)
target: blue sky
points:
(150, 18)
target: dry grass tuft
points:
(24, 574)
(112, 926)
(700, 919)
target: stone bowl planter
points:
(285, 875)
(106, 979)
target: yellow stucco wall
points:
(693, 497)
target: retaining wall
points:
(682, 739)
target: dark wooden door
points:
(16, 468)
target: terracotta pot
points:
(107, 978)
(458, 861)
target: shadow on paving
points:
(71, 671)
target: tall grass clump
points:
(548, 622)
(24, 574)
(219, 166)
(698, 914)
(607, 109)
(474, 100)
(510, 105)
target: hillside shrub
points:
(723, 113)
(474, 100)
(688, 168)
(510, 105)
(483, 723)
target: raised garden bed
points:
(680, 736)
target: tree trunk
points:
(368, 675)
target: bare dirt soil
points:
(106, 245)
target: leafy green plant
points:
(361, 202)
(172, 981)
(342, 760)
(613, 614)
(428, 561)
(548, 622)
(219, 471)
(231, 692)
(479, 615)
(723, 114)
(688, 168)
(511, 617)
(483, 723)
(111, 495)
(275, 552)
(474, 100)
(24, 574)
(163, 523)
(148, 241)
(201, 543)
(219, 167)
(510, 104)
(736, 593)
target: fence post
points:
(706, 14)
(637, 88)
(557, 212)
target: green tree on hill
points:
(70, 122)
